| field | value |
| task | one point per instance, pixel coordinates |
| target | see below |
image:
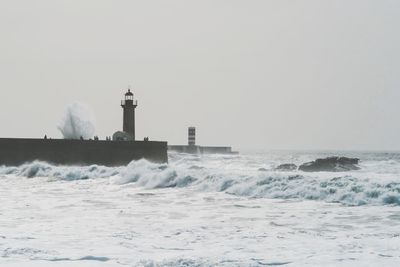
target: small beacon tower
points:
(129, 105)
(192, 136)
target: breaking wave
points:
(78, 122)
(68, 173)
(232, 175)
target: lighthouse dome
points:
(129, 93)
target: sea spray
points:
(78, 122)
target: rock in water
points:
(331, 164)
(286, 167)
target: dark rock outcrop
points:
(331, 164)
(286, 167)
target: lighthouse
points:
(129, 105)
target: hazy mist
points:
(304, 74)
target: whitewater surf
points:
(209, 210)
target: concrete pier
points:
(14, 152)
(202, 149)
(192, 148)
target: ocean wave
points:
(67, 173)
(152, 176)
(232, 177)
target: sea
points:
(203, 211)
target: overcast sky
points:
(268, 74)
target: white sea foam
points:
(78, 121)
(200, 211)
(68, 173)
(232, 176)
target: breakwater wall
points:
(202, 149)
(14, 152)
